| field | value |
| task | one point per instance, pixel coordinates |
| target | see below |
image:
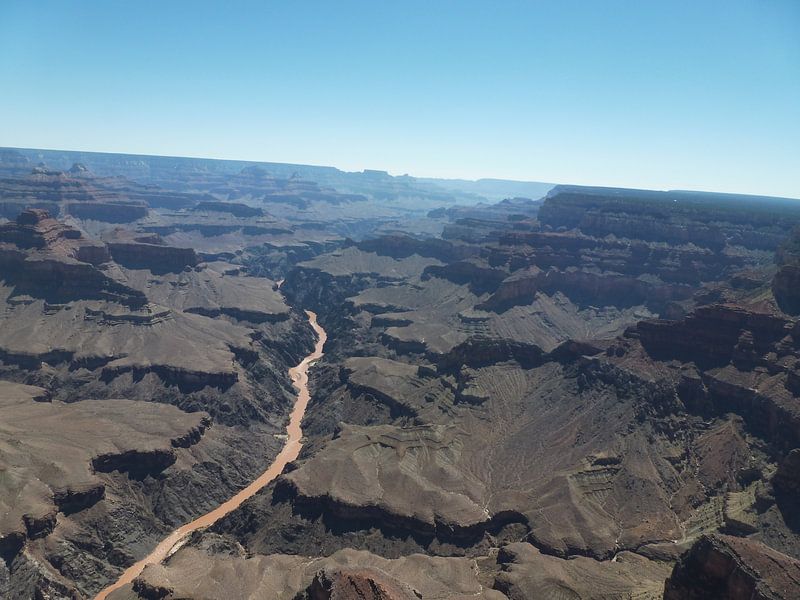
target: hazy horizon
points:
(422, 177)
(682, 96)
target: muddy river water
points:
(290, 451)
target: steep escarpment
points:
(97, 463)
(527, 573)
(745, 363)
(623, 247)
(461, 411)
(61, 449)
(237, 209)
(674, 217)
(148, 252)
(721, 566)
(211, 175)
(73, 193)
(786, 282)
(345, 574)
(563, 398)
(46, 259)
(79, 193)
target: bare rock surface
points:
(210, 291)
(193, 574)
(406, 474)
(52, 452)
(720, 566)
(527, 573)
(97, 463)
(551, 398)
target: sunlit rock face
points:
(721, 566)
(580, 396)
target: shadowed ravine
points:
(290, 451)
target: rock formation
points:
(720, 566)
(91, 480)
(584, 396)
(148, 252)
(46, 259)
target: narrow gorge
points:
(584, 393)
(291, 448)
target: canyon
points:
(584, 393)
(291, 448)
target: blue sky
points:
(661, 94)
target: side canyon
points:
(583, 393)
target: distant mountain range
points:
(161, 170)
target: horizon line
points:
(389, 173)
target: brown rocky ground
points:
(582, 397)
(443, 424)
(96, 464)
(348, 573)
(721, 566)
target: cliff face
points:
(46, 259)
(786, 288)
(84, 469)
(607, 246)
(148, 252)
(79, 193)
(551, 399)
(117, 212)
(515, 382)
(61, 449)
(786, 283)
(721, 566)
(342, 575)
(704, 219)
(235, 208)
(75, 193)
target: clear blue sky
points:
(662, 94)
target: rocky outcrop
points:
(476, 273)
(521, 288)
(724, 567)
(403, 246)
(44, 258)
(75, 499)
(156, 258)
(117, 212)
(676, 217)
(747, 365)
(237, 209)
(185, 379)
(527, 573)
(54, 453)
(480, 351)
(35, 229)
(134, 462)
(786, 288)
(385, 492)
(148, 252)
(76, 192)
(357, 584)
(389, 382)
(714, 335)
(787, 477)
(196, 574)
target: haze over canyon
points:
(231, 379)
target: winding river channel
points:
(290, 451)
